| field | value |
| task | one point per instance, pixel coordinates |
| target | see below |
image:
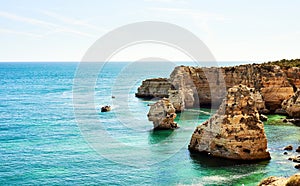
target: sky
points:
(56, 30)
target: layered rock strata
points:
(152, 88)
(203, 86)
(162, 114)
(235, 131)
(292, 105)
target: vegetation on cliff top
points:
(286, 63)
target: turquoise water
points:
(41, 142)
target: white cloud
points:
(167, 1)
(201, 19)
(191, 12)
(71, 21)
(2, 30)
(26, 20)
(52, 28)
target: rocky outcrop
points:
(177, 99)
(162, 114)
(280, 181)
(259, 101)
(292, 105)
(295, 159)
(151, 88)
(273, 181)
(293, 75)
(106, 108)
(206, 86)
(235, 131)
(289, 147)
(268, 80)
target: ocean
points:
(44, 140)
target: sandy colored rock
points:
(177, 99)
(203, 86)
(162, 114)
(235, 131)
(273, 181)
(294, 180)
(292, 105)
(151, 88)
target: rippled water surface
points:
(41, 142)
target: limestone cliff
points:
(269, 80)
(162, 114)
(151, 88)
(196, 86)
(199, 85)
(235, 131)
(292, 105)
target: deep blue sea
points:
(45, 138)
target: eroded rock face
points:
(292, 105)
(162, 114)
(259, 101)
(197, 86)
(177, 99)
(235, 131)
(151, 88)
(293, 75)
(268, 80)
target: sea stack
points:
(235, 131)
(162, 114)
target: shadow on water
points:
(233, 172)
(205, 161)
(157, 136)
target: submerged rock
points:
(280, 112)
(106, 108)
(298, 149)
(295, 121)
(292, 105)
(263, 117)
(295, 159)
(235, 131)
(162, 114)
(289, 147)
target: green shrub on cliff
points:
(286, 63)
